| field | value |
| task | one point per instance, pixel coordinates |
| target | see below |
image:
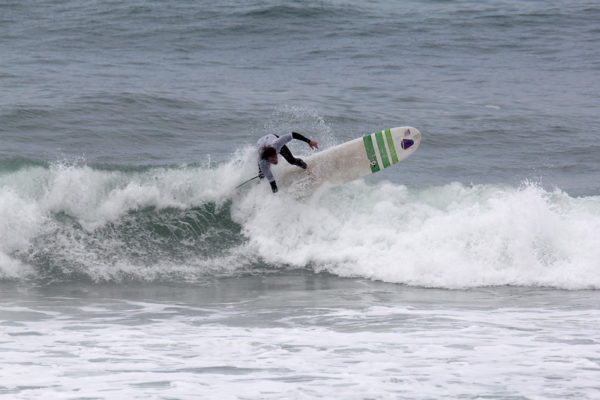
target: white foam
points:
(96, 197)
(20, 221)
(452, 236)
(147, 350)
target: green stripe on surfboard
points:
(382, 151)
(368, 141)
(390, 142)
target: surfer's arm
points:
(264, 168)
(281, 141)
(311, 143)
(298, 136)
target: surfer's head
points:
(269, 154)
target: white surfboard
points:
(354, 159)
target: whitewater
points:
(65, 220)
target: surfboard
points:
(354, 159)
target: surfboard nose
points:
(408, 138)
(412, 133)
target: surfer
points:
(270, 145)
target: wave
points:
(72, 221)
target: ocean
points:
(131, 267)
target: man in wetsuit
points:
(270, 145)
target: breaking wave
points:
(72, 221)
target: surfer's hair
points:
(268, 152)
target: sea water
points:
(132, 268)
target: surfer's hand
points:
(273, 186)
(313, 144)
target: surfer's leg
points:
(287, 154)
(289, 157)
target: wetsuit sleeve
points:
(281, 141)
(298, 136)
